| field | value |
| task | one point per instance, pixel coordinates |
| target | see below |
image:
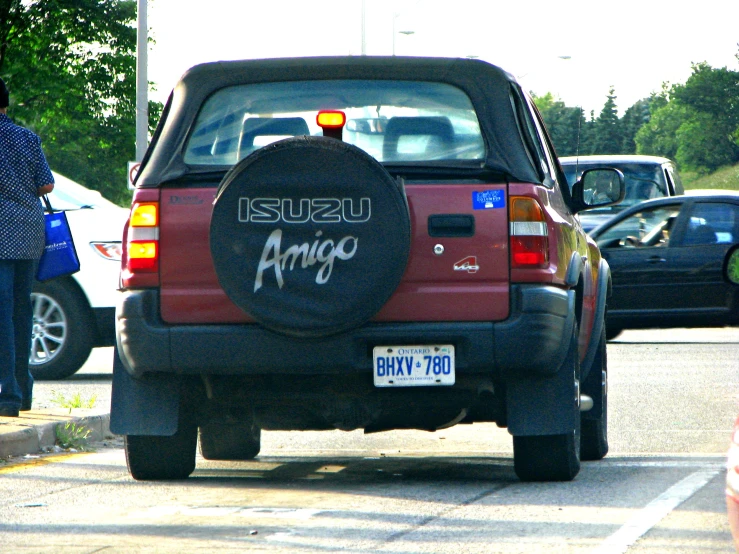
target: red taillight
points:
(143, 255)
(529, 234)
(142, 246)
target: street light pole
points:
(364, 26)
(142, 82)
(395, 16)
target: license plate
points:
(413, 366)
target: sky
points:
(575, 49)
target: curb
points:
(35, 430)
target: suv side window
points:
(673, 180)
(544, 143)
(668, 179)
(529, 132)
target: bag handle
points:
(49, 209)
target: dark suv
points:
(645, 177)
(357, 243)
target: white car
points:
(73, 314)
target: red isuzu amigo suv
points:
(358, 243)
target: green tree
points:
(607, 129)
(659, 136)
(634, 119)
(70, 66)
(703, 143)
(563, 123)
(696, 123)
(708, 139)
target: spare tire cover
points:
(310, 236)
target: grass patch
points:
(76, 401)
(726, 178)
(71, 435)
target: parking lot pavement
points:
(39, 430)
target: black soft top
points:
(488, 87)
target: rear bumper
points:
(532, 341)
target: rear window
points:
(393, 121)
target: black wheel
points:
(612, 332)
(594, 431)
(230, 441)
(63, 330)
(553, 457)
(310, 236)
(156, 458)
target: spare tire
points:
(310, 236)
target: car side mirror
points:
(731, 265)
(598, 188)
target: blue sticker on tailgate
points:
(488, 199)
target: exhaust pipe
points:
(586, 403)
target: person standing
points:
(24, 176)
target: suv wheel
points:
(154, 458)
(230, 441)
(595, 422)
(63, 330)
(553, 457)
(612, 332)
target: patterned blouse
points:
(23, 169)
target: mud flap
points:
(146, 406)
(546, 405)
(541, 406)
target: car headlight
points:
(108, 250)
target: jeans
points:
(16, 320)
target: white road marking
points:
(654, 512)
(720, 463)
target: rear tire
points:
(553, 457)
(612, 332)
(595, 422)
(546, 457)
(230, 441)
(156, 458)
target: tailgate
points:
(458, 267)
(457, 270)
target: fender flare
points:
(604, 288)
(574, 270)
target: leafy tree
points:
(659, 136)
(708, 139)
(703, 144)
(697, 123)
(70, 66)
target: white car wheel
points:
(63, 330)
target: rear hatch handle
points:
(451, 225)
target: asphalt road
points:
(673, 400)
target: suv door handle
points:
(656, 260)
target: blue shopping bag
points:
(60, 256)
